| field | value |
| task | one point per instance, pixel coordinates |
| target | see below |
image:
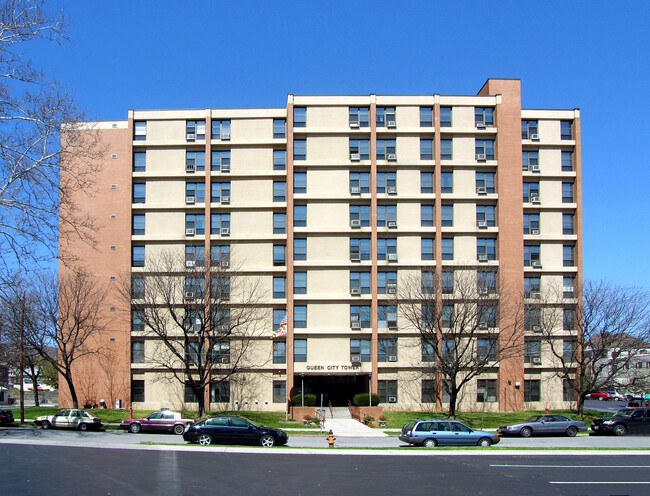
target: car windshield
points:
(534, 418)
(626, 412)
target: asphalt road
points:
(36, 470)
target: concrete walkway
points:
(351, 428)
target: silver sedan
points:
(544, 424)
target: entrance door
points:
(337, 389)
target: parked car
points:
(616, 394)
(626, 421)
(70, 419)
(544, 424)
(164, 421)
(433, 432)
(6, 417)
(599, 395)
(234, 430)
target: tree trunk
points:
(580, 405)
(73, 392)
(36, 401)
(453, 397)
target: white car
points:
(616, 395)
(69, 419)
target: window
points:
(139, 192)
(220, 288)
(484, 149)
(189, 396)
(529, 130)
(137, 390)
(569, 347)
(486, 349)
(565, 130)
(300, 350)
(279, 159)
(485, 182)
(445, 116)
(387, 390)
(532, 349)
(279, 191)
(279, 391)
(360, 348)
(387, 247)
(532, 318)
(531, 255)
(140, 130)
(194, 192)
(299, 117)
(279, 287)
(300, 182)
(194, 320)
(279, 352)
(386, 149)
(529, 158)
(360, 314)
(196, 222)
(429, 391)
(484, 116)
(219, 254)
(447, 182)
(568, 392)
(568, 319)
(137, 320)
(387, 350)
(359, 149)
(279, 128)
(386, 215)
(568, 224)
(299, 215)
(568, 285)
(195, 161)
(385, 116)
(428, 351)
(446, 149)
(531, 285)
(137, 256)
(300, 149)
(447, 214)
(387, 316)
(300, 283)
(486, 215)
(426, 149)
(427, 281)
(220, 392)
(567, 192)
(137, 288)
(386, 282)
(567, 161)
(486, 390)
(137, 351)
(447, 248)
(359, 249)
(220, 160)
(568, 255)
(426, 116)
(300, 249)
(195, 130)
(426, 215)
(139, 161)
(532, 390)
(359, 117)
(360, 215)
(279, 223)
(531, 191)
(447, 316)
(486, 281)
(221, 352)
(220, 193)
(531, 223)
(486, 248)
(386, 182)
(279, 318)
(427, 248)
(359, 282)
(279, 255)
(220, 224)
(138, 224)
(359, 182)
(426, 182)
(220, 129)
(486, 316)
(194, 287)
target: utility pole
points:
(22, 357)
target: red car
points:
(164, 421)
(599, 395)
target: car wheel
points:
(134, 428)
(267, 441)
(600, 398)
(205, 439)
(620, 430)
(571, 431)
(485, 442)
(83, 427)
(179, 429)
(430, 443)
(526, 432)
(45, 424)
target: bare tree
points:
(200, 319)
(467, 323)
(595, 333)
(38, 182)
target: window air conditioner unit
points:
(535, 295)
(391, 124)
(392, 358)
(223, 328)
(482, 224)
(225, 167)
(392, 399)
(355, 291)
(225, 200)
(355, 157)
(355, 223)
(355, 325)
(392, 324)
(190, 167)
(537, 361)
(567, 289)
(391, 190)
(483, 257)
(225, 231)
(354, 124)
(189, 231)
(534, 199)
(391, 290)
(537, 264)
(191, 136)
(189, 295)
(391, 156)
(225, 360)
(392, 257)
(483, 291)
(534, 137)
(534, 168)
(355, 257)
(190, 263)
(534, 231)
(355, 358)
(481, 190)
(355, 190)
(392, 223)
(480, 157)
(190, 200)
(480, 125)
(225, 264)
(225, 136)
(536, 328)
(482, 325)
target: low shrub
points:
(362, 399)
(310, 400)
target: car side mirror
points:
(250, 427)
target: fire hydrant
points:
(330, 439)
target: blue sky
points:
(588, 54)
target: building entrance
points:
(337, 389)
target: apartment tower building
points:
(328, 207)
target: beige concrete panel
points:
(328, 183)
(551, 223)
(167, 193)
(168, 115)
(551, 283)
(408, 215)
(252, 256)
(331, 215)
(251, 223)
(164, 224)
(463, 149)
(548, 130)
(165, 161)
(408, 116)
(246, 192)
(472, 101)
(328, 249)
(550, 191)
(550, 161)
(407, 149)
(155, 251)
(551, 255)
(328, 350)
(465, 215)
(327, 316)
(172, 130)
(409, 249)
(331, 100)
(549, 114)
(251, 160)
(327, 118)
(328, 149)
(327, 282)
(464, 182)
(465, 248)
(408, 181)
(251, 129)
(463, 117)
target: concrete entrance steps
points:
(340, 412)
(351, 428)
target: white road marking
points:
(572, 466)
(592, 482)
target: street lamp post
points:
(302, 389)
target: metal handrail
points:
(331, 409)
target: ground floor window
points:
(137, 390)
(387, 391)
(279, 391)
(486, 390)
(220, 392)
(568, 393)
(446, 387)
(532, 390)
(189, 396)
(428, 391)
